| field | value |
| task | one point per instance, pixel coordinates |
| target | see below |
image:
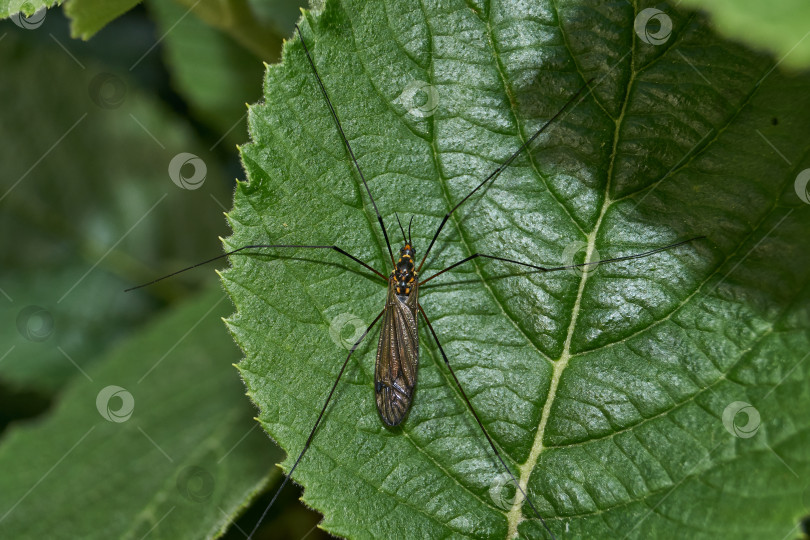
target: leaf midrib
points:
(515, 515)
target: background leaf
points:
(180, 462)
(87, 208)
(606, 391)
(780, 27)
(215, 71)
(90, 16)
(87, 196)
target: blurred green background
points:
(121, 415)
(87, 208)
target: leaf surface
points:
(26, 8)
(606, 391)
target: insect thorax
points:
(404, 273)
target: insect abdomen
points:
(397, 357)
(393, 403)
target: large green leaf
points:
(611, 393)
(157, 440)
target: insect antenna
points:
(401, 229)
(346, 142)
(410, 242)
(494, 174)
(481, 424)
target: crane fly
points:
(398, 350)
(397, 358)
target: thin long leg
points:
(317, 423)
(346, 142)
(554, 269)
(257, 246)
(501, 167)
(480, 424)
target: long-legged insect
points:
(397, 357)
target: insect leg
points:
(257, 246)
(346, 142)
(503, 166)
(317, 423)
(480, 424)
(556, 268)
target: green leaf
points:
(71, 248)
(606, 391)
(780, 27)
(212, 57)
(213, 73)
(26, 8)
(244, 23)
(178, 461)
(90, 16)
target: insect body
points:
(398, 350)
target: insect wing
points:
(397, 357)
